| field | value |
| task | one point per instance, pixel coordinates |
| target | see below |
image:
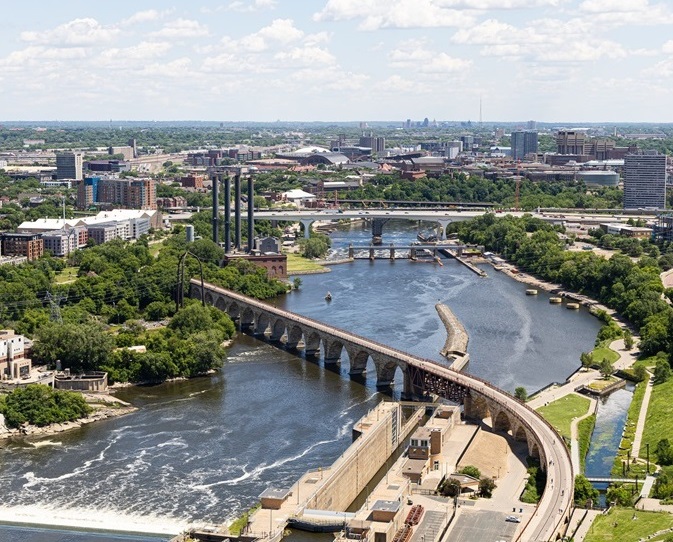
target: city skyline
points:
(339, 60)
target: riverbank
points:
(105, 406)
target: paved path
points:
(642, 416)
(574, 436)
(647, 486)
(585, 526)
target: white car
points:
(513, 519)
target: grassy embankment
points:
(298, 264)
(659, 421)
(602, 352)
(560, 413)
(585, 429)
(628, 525)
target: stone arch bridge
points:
(422, 378)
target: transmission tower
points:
(55, 307)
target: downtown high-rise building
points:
(645, 180)
(128, 193)
(69, 165)
(523, 142)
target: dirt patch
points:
(488, 452)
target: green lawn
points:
(296, 263)
(155, 248)
(69, 274)
(659, 422)
(602, 383)
(619, 526)
(602, 352)
(562, 411)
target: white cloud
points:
(305, 57)
(75, 33)
(377, 14)
(181, 28)
(254, 5)
(667, 47)
(145, 16)
(628, 12)
(412, 54)
(141, 51)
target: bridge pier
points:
(442, 224)
(351, 251)
(371, 253)
(307, 227)
(392, 251)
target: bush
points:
(41, 405)
(471, 470)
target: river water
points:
(203, 450)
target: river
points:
(203, 450)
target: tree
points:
(662, 371)
(606, 368)
(619, 495)
(521, 394)
(41, 405)
(486, 487)
(315, 247)
(628, 340)
(664, 452)
(587, 359)
(471, 470)
(80, 347)
(640, 373)
(296, 283)
(585, 494)
(450, 487)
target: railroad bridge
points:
(422, 378)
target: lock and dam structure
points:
(422, 379)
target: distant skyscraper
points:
(69, 165)
(645, 180)
(376, 144)
(570, 142)
(531, 125)
(523, 143)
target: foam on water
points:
(84, 518)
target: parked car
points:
(513, 519)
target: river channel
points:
(204, 449)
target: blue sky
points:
(338, 60)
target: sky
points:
(338, 60)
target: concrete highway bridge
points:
(441, 217)
(422, 378)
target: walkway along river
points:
(205, 449)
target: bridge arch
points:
(359, 360)
(385, 373)
(262, 323)
(312, 344)
(220, 303)
(234, 310)
(278, 327)
(208, 298)
(247, 318)
(294, 335)
(501, 422)
(333, 351)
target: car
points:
(513, 519)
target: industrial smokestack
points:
(237, 211)
(216, 208)
(251, 215)
(227, 214)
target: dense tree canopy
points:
(41, 405)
